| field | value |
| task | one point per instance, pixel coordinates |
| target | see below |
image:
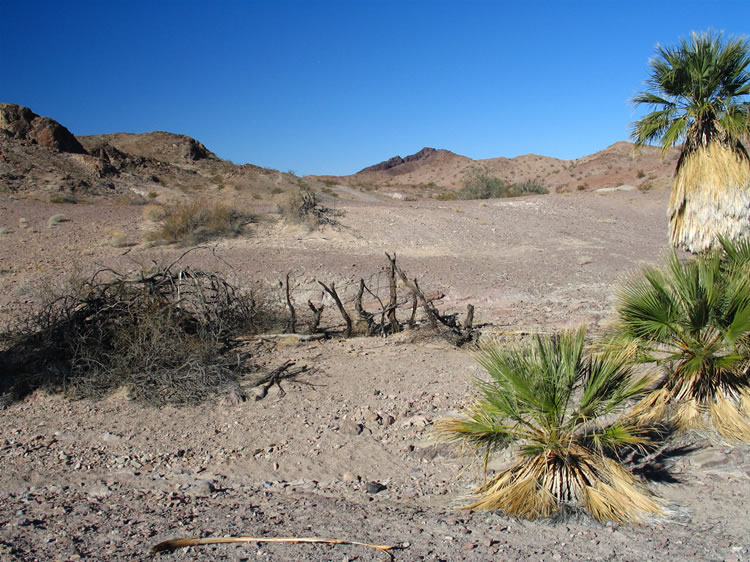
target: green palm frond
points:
(693, 319)
(696, 93)
(548, 398)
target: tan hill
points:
(616, 165)
(41, 157)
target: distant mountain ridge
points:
(39, 154)
(617, 164)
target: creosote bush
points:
(198, 221)
(479, 184)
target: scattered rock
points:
(349, 427)
(375, 487)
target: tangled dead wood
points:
(171, 335)
(164, 336)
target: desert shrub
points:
(328, 191)
(302, 206)
(525, 187)
(646, 186)
(63, 198)
(447, 196)
(117, 239)
(479, 184)
(154, 213)
(164, 337)
(641, 174)
(197, 221)
(4, 230)
(276, 190)
(56, 219)
(555, 401)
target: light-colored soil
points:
(107, 480)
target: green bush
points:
(479, 184)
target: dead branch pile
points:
(393, 310)
(172, 335)
(164, 336)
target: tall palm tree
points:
(549, 399)
(693, 320)
(697, 91)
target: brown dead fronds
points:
(710, 198)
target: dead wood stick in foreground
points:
(395, 326)
(274, 378)
(344, 314)
(179, 543)
(292, 324)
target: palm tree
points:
(548, 398)
(697, 91)
(693, 320)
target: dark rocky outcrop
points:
(24, 125)
(423, 154)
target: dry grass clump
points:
(198, 221)
(165, 337)
(154, 213)
(55, 220)
(117, 239)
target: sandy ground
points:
(107, 480)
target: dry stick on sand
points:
(345, 315)
(292, 324)
(275, 377)
(179, 543)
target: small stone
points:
(469, 546)
(351, 428)
(349, 477)
(375, 487)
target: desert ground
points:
(345, 451)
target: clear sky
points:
(329, 87)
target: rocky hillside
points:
(40, 156)
(616, 165)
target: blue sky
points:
(329, 87)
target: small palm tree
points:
(693, 320)
(549, 399)
(698, 94)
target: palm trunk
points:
(710, 198)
